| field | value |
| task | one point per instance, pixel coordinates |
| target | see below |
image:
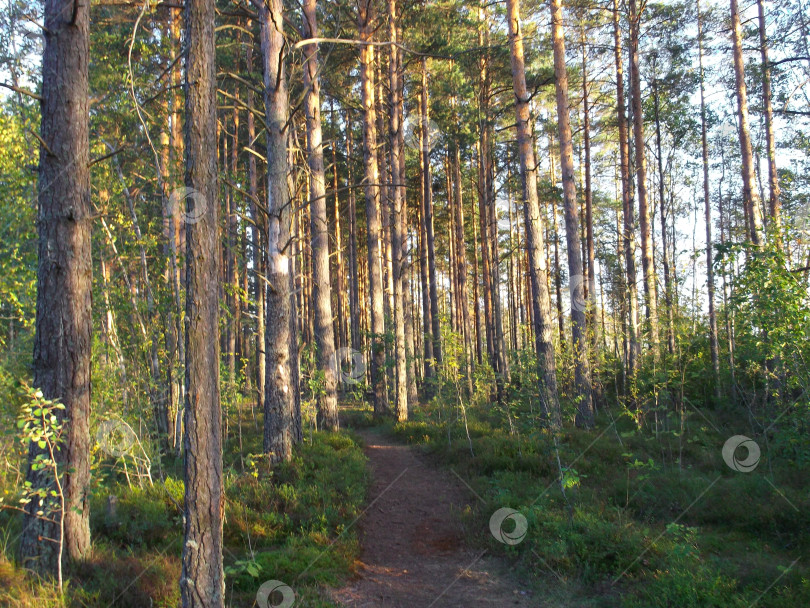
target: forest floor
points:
(413, 542)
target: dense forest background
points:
(565, 247)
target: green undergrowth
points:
(293, 524)
(628, 519)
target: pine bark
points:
(321, 280)
(63, 339)
(628, 213)
(645, 226)
(751, 200)
(774, 203)
(373, 225)
(582, 371)
(202, 583)
(534, 223)
(354, 276)
(397, 198)
(279, 403)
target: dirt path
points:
(413, 553)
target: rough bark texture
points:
(628, 215)
(582, 371)
(321, 281)
(279, 431)
(397, 198)
(534, 222)
(202, 582)
(64, 279)
(750, 196)
(373, 224)
(647, 259)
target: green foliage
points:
(40, 424)
(636, 536)
(293, 524)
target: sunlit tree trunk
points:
(279, 401)
(354, 276)
(645, 226)
(628, 213)
(321, 281)
(750, 197)
(373, 225)
(534, 222)
(582, 370)
(775, 206)
(397, 204)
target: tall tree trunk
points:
(258, 229)
(647, 253)
(751, 200)
(707, 205)
(534, 223)
(231, 273)
(431, 241)
(321, 281)
(397, 203)
(476, 298)
(499, 345)
(202, 582)
(176, 261)
(628, 214)
(341, 333)
(663, 207)
(461, 266)
(775, 206)
(586, 128)
(64, 280)
(427, 324)
(582, 370)
(373, 225)
(279, 404)
(354, 276)
(483, 213)
(555, 227)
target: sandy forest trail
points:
(413, 551)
